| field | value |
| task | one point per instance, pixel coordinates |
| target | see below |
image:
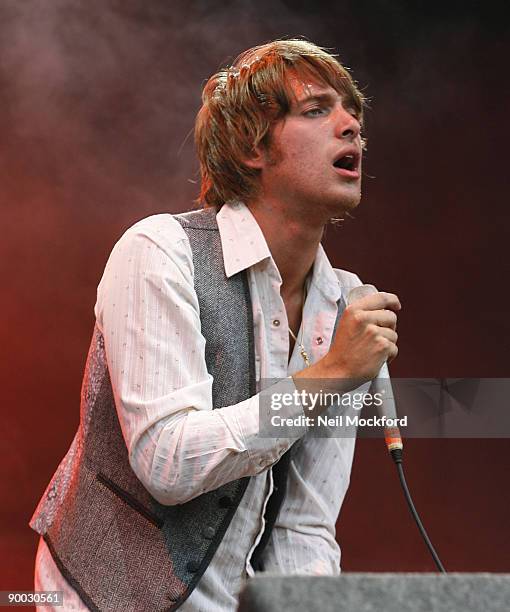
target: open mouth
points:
(347, 162)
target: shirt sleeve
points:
(148, 312)
(303, 539)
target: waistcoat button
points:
(208, 532)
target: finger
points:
(377, 333)
(377, 301)
(389, 334)
(386, 347)
(381, 318)
(393, 353)
(391, 300)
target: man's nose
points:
(347, 126)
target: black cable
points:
(397, 458)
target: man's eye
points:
(315, 112)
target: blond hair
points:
(241, 103)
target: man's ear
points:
(257, 160)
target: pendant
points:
(304, 355)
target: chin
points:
(353, 202)
(347, 204)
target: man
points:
(163, 502)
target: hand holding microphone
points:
(365, 341)
(357, 297)
(366, 337)
(382, 383)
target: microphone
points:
(392, 434)
(381, 383)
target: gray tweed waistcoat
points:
(114, 543)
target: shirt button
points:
(319, 340)
(276, 322)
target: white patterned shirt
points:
(147, 311)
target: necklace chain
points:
(302, 349)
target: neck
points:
(293, 244)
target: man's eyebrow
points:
(325, 97)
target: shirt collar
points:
(242, 240)
(324, 277)
(244, 245)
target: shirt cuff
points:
(271, 421)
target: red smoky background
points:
(98, 100)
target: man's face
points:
(313, 165)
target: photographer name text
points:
(339, 420)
